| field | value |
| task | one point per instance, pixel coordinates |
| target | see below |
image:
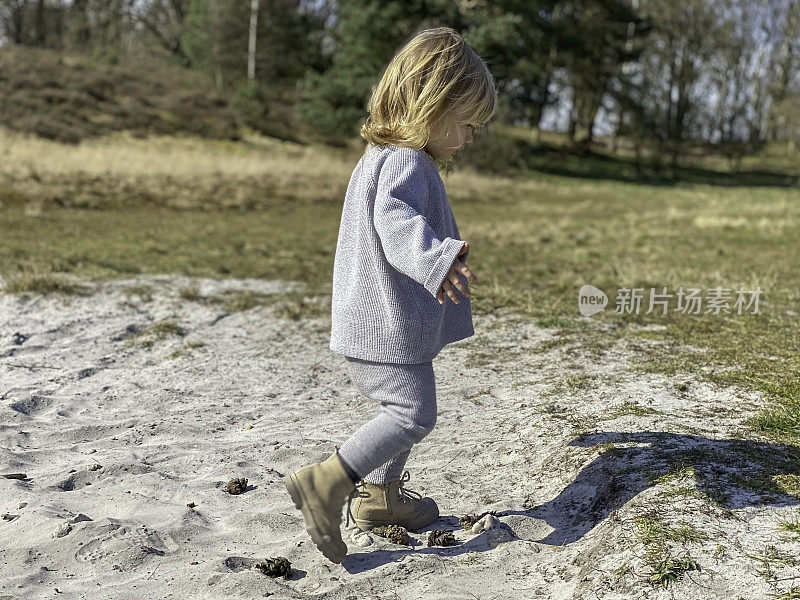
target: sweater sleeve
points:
(409, 243)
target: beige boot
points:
(392, 504)
(320, 491)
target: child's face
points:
(443, 144)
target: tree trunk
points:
(82, 31)
(616, 133)
(218, 79)
(18, 18)
(594, 108)
(573, 116)
(251, 51)
(40, 25)
(535, 111)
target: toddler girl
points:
(398, 295)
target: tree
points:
(217, 39)
(365, 33)
(599, 36)
(164, 19)
(783, 116)
(665, 89)
(12, 17)
(520, 41)
(32, 22)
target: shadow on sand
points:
(731, 473)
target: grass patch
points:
(42, 283)
(788, 484)
(486, 357)
(670, 569)
(630, 407)
(187, 349)
(609, 449)
(678, 470)
(771, 560)
(683, 492)
(654, 532)
(770, 487)
(294, 307)
(570, 384)
(190, 292)
(143, 292)
(288, 305)
(791, 526)
(681, 387)
(793, 593)
(161, 330)
(782, 419)
(551, 344)
(244, 300)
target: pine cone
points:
(394, 533)
(441, 537)
(467, 521)
(397, 535)
(275, 567)
(236, 485)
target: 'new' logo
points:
(591, 300)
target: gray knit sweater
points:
(397, 241)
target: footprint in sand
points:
(112, 540)
(35, 405)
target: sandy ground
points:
(587, 464)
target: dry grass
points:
(42, 283)
(270, 209)
(122, 170)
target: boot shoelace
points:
(405, 491)
(362, 493)
(356, 493)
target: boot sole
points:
(369, 525)
(321, 540)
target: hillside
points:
(70, 97)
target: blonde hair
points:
(435, 78)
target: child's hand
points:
(452, 279)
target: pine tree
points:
(366, 35)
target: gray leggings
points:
(378, 450)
